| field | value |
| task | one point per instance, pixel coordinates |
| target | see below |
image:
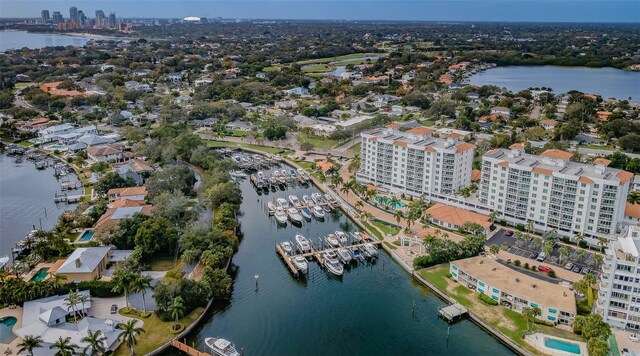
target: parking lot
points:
(524, 253)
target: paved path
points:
(602, 152)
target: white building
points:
(414, 162)
(619, 295)
(555, 193)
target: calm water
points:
(607, 82)
(25, 193)
(367, 312)
(20, 39)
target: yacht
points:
(317, 198)
(332, 263)
(295, 202)
(303, 244)
(355, 251)
(306, 213)
(221, 347)
(261, 175)
(300, 263)
(344, 255)
(318, 212)
(330, 199)
(342, 238)
(370, 249)
(281, 216)
(304, 174)
(287, 247)
(273, 181)
(293, 173)
(357, 238)
(307, 201)
(282, 203)
(333, 241)
(294, 215)
(271, 206)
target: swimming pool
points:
(42, 274)
(561, 345)
(58, 147)
(6, 324)
(86, 236)
(385, 201)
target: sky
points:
(403, 10)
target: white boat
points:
(303, 174)
(333, 241)
(261, 174)
(355, 251)
(294, 215)
(333, 265)
(300, 263)
(357, 238)
(271, 206)
(318, 212)
(343, 255)
(287, 247)
(238, 174)
(317, 198)
(282, 203)
(330, 199)
(303, 244)
(306, 213)
(281, 216)
(307, 201)
(342, 238)
(370, 249)
(295, 202)
(3, 262)
(221, 347)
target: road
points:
(602, 152)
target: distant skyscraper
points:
(82, 19)
(45, 15)
(73, 14)
(100, 18)
(112, 20)
(57, 17)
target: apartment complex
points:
(555, 193)
(515, 290)
(619, 295)
(414, 162)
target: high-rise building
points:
(414, 162)
(45, 15)
(57, 17)
(619, 289)
(100, 18)
(82, 18)
(552, 192)
(112, 20)
(73, 14)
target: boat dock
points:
(187, 349)
(452, 312)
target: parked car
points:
(508, 233)
(542, 268)
(114, 309)
(541, 257)
(576, 269)
(585, 270)
(568, 266)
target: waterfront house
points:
(35, 124)
(51, 133)
(84, 264)
(515, 290)
(111, 218)
(240, 126)
(208, 122)
(130, 193)
(104, 153)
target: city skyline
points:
(437, 10)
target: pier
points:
(452, 312)
(187, 349)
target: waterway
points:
(10, 39)
(26, 200)
(607, 82)
(369, 311)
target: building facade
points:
(619, 295)
(555, 193)
(414, 162)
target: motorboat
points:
(330, 199)
(302, 244)
(317, 198)
(318, 212)
(282, 179)
(260, 175)
(281, 216)
(303, 174)
(306, 213)
(344, 256)
(327, 208)
(300, 263)
(293, 173)
(273, 180)
(333, 265)
(295, 202)
(370, 249)
(294, 215)
(357, 238)
(3, 262)
(307, 201)
(287, 247)
(282, 203)
(342, 238)
(238, 174)
(221, 347)
(333, 241)
(271, 206)
(355, 251)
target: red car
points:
(508, 233)
(544, 269)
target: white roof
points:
(89, 258)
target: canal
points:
(369, 311)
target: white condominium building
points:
(555, 193)
(619, 295)
(414, 162)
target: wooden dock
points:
(453, 312)
(187, 349)
(287, 260)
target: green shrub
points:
(543, 322)
(534, 268)
(551, 274)
(520, 227)
(517, 263)
(503, 222)
(97, 289)
(526, 265)
(487, 300)
(174, 330)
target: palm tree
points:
(122, 283)
(493, 216)
(29, 343)
(83, 298)
(96, 343)
(129, 333)
(494, 249)
(527, 312)
(579, 238)
(589, 279)
(358, 205)
(140, 284)
(530, 226)
(176, 309)
(602, 242)
(64, 347)
(394, 201)
(71, 301)
(336, 180)
(634, 197)
(346, 188)
(399, 215)
(564, 251)
(57, 279)
(597, 346)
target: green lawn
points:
(271, 69)
(386, 228)
(163, 263)
(317, 141)
(25, 144)
(319, 68)
(373, 230)
(428, 122)
(391, 246)
(238, 133)
(598, 147)
(156, 333)
(338, 58)
(274, 150)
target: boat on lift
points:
(342, 238)
(318, 212)
(333, 241)
(370, 249)
(303, 244)
(294, 215)
(344, 255)
(333, 265)
(282, 203)
(281, 216)
(300, 263)
(306, 213)
(287, 247)
(295, 202)
(307, 201)
(317, 198)
(271, 206)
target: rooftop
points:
(411, 138)
(84, 260)
(457, 216)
